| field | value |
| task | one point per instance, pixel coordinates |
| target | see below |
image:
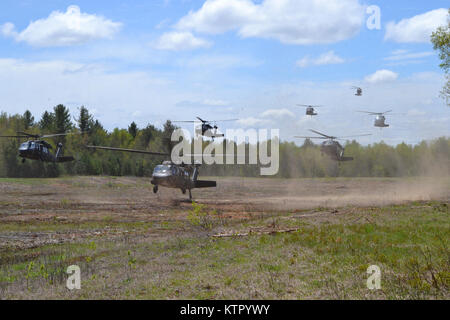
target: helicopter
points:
(206, 129)
(379, 119)
(309, 109)
(169, 174)
(358, 91)
(331, 147)
(39, 149)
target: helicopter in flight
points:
(310, 109)
(358, 91)
(380, 119)
(38, 149)
(207, 129)
(169, 174)
(331, 147)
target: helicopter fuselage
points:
(40, 150)
(181, 177)
(207, 130)
(380, 121)
(334, 150)
(310, 111)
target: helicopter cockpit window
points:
(161, 169)
(24, 146)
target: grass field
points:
(232, 244)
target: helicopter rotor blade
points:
(324, 135)
(201, 119)
(303, 137)
(14, 136)
(59, 134)
(187, 121)
(28, 134)
(309, 105)
(370, 112)
(354, 136)
(226, 120)
(128, 150)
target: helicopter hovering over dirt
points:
(358, 91)
(380, 119)
(39, 149)
(310, 109)
(169, 174)
(331, 147)
(207, 129)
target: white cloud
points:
(381, 76)
(289, 21)
(324, 59)
(64, 29)
(278, 113)
(203, 103)
(251, 122)
(417, 28)
(177, 41)
(404, 55)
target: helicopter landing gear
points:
(155, 189)
(23, 160)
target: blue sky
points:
(148, 61)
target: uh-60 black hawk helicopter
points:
(380, 119)
(207, 129)
(358, 91)
(331, 147)
(169, 174)
(39, 149)
(310, 109)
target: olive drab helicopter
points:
(39, 149)
(380, 119)
(207, 129)
(169, 174)
(309, 109)
(358, 91)
(331, 147)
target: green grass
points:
(325, 260)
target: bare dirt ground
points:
(232, 244)
(75, 204)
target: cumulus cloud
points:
(203, 103)
(381, 76)
(278, 113)
(418, 28)
(288, 21)
(177, 41)
(64, 29)
(324, 59)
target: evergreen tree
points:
(28, 120)
(133, 129)
(85, 120)
(47, 122)
(62, 119)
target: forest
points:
(376, 160)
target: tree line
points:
(376, 160)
